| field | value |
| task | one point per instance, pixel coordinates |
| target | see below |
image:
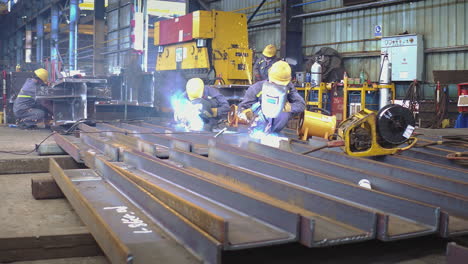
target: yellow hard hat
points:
(194, 88)
(280, 73)
(42, 74)
(269, 51)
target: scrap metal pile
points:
(152, 194)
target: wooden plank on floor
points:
(55, 243)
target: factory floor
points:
(23, 220)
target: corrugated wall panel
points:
(441, 22)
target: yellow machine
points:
(211, 45)
(367, 133)
(358, 97)
(204, 43)
(316, 124)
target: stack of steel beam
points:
(149, 188)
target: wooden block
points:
(45, 187)
(54, 243)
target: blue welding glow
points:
(186, 114)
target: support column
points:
(98, 40)
(145, 36)
(54, 32)
(28, 44)
(73, 36)
(40, 39)
(291, 32)
(19, 47)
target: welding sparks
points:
(186, 114)
(268, 139)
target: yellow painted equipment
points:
(212, 45)
(362, 89)
(363, 137)
(316, 124)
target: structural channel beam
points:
(123, 231)
(351, 223)
(425, 218)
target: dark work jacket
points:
(216, 99)
(261, 68)
(253, 95)
(26, 98)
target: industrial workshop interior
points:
(234, 131)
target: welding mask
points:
(273, 99)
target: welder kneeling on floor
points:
(27, 110)
(206, 106)
(271, 103)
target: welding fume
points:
(199, 107)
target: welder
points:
(26, 109)
(264, 62)
(206, 103)
(271, 103)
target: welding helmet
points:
(42, 74)
(273, 99)
(194, 88)
(269, 51)
(280, 73)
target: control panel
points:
(406, 54)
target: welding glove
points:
(246, 115)
(214, 111)
(287, 107)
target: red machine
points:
(463, 97)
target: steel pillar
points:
(73, 35)
(19, 47)
(99, 34)
(54, 32)
(40, 39)
(291, 33)
(28, 44)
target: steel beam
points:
(360, 223)
(54, 34)
(123, 231)
(235, 198)
(444, 182)
(427, 216)
(454, 205)
(191, 236)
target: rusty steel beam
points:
(122, 230)
(359, 224)
(442, 182)
(394, 209)
(235, 198)
(70, 145)
(115, 250)
(197, 240)
(453, 205)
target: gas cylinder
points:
(316, 74)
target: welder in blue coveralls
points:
(25, 108)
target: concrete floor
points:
(21, 214)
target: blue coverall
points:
(254, 95)
(25, 108)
